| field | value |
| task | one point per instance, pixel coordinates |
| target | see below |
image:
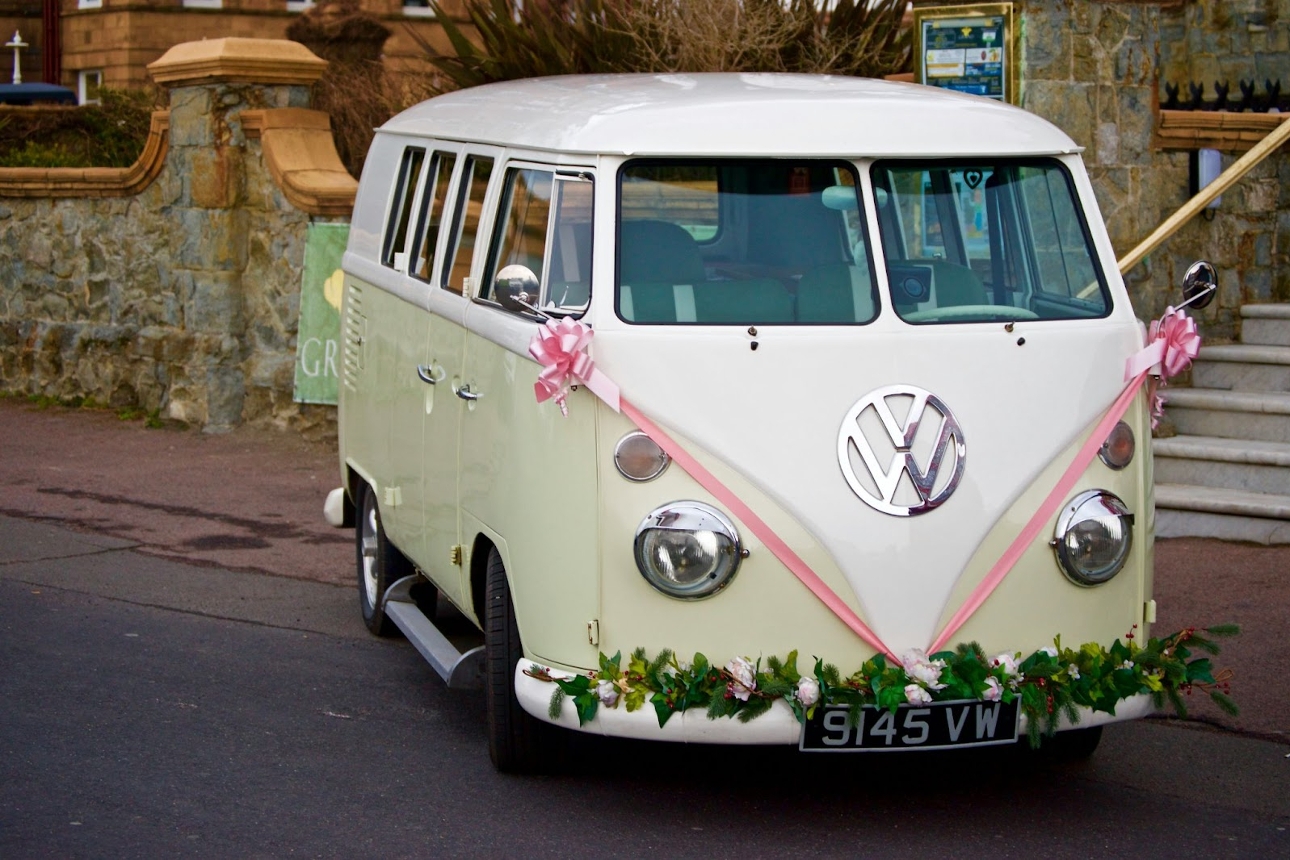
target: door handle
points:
(465, 393)
(430, 373)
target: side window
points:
(396, 227)
(545, 226)
(520, 237)
(436, 193)
(465, 221)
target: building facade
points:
(84, 44)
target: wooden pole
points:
(1189, 210)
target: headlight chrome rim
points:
(709, 531)
(1082, 516)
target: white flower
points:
(993, 691)
(745, 681)
(1127, 664)
(808, 691)
(608, 692)
(923, 670)
(1009, 664)
(916, 695)
(1050, 651)
(1073, 671)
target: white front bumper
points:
(778, 726)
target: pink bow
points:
(1174, 342)
(561, 348)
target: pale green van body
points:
(457, 477)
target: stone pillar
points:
(211, 82)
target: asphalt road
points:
(152, 708)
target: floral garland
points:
(1050, 683)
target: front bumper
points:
(777, 726)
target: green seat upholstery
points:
(837, 293)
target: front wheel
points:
(517, 743)
(379, 563)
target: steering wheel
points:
(971, 313)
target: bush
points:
(552, 37)
(111, 134)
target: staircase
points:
(1227, 472)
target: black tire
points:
(379, 563)
(1072, 745)
(517, 743)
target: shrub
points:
(550, 37)
(110, 134)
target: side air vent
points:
(355, 328)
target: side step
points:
(460, 671)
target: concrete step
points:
(1242, 367)
(1262, 416)
(1236, 464)
(1190, 511)
(1266, 324)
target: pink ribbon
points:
(561, 349)
(1173, 343)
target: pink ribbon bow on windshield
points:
(561, 348)
(1173, 343)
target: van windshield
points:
(743, 242)
(986, 241)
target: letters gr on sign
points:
(318, 337)
(934, 726)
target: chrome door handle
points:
(426, 374)
(465, 393)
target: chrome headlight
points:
(1093, 538)
(687, 550)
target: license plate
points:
(939, 725)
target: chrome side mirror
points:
(516, 289)
(1200, 284)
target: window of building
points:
(299, 5)
(203, 4)
(89, 4)
(88, 84)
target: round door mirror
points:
(516, 288)
(1200, 284)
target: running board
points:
(460, 671)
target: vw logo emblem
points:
(902, 467)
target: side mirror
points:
(1200, 284)
(516, 288)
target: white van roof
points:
(732, 114)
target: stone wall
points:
(1098, 70)
(181, 298)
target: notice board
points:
(969, 49)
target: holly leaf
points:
(661, 709)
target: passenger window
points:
(437, 192)
(545, 226)
(396, 231)
(465, 220)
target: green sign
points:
(318, 338)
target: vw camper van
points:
(746, 409)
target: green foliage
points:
(1050, 684)
(111, 134)
(556, 37)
